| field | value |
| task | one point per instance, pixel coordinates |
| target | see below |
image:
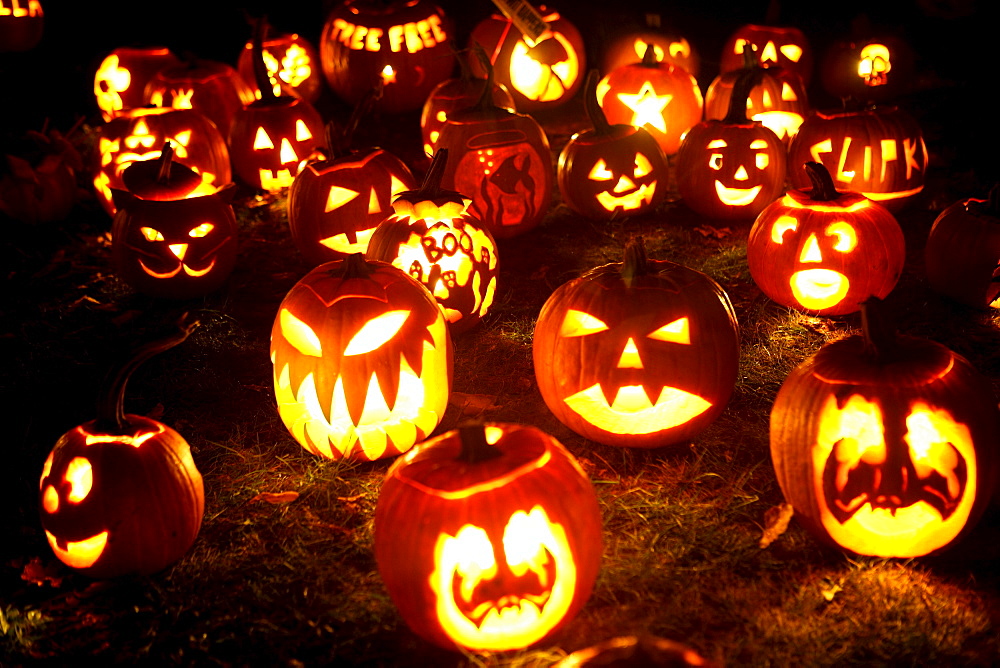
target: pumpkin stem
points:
(485, 102)
(475, 447)
(750, 58)
(166, 159)
(353, 266)
(736, 114)
(636, 263)
(431, 187)
(879, 335)
(594, 112)
(340, 142)
(823, 189)
(464, 69)
(111, 402)
(260, 75)
(649, 56)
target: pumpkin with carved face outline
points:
(824, 251)
(642, 353)
(612, 170)
(120, 494)
(778, 99)
(508, 544)
(884, 444)
(781, 46)
(121, 78)
(362, 360)
(630, 46)
(214, 88)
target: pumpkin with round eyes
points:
(362, 360)
(629, 46)
(292, 65)
(211, 87)
(641, 353)
(21, 25)
(432, 237)
(772, 45)
(121, 495)
(825, 251)
(885, 444)
(508, 545)
(734, 167)
(121, 78)
(612, 170)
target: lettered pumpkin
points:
(488, 538)
(121, 494)
(641, 353)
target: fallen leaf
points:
(40, 574)
(472, 404)
(276, 497)
(775, 523)
(713, 232)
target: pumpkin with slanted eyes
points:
(772, 45)
(641, 353)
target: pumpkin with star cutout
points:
(824, 251)
(433, 238)
(885, 444)
(362, 360)
(120, 494)
(508, 542)
(121, 78)
(611, 170)
(734, 167)
(772, 46)
(640, 353)
(292, 64)
(212, 87)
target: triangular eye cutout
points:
(300, 335)
(578, 323)
(396, 186)
(376, 332)
(262, 141)
(787, 94)
(373, 205)
(600, 172)
(677, 331)
(301, 131)
(338, 197)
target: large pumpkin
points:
(362, 360)
(214, 88)
(121, 495)
(641, 353)
(824, 251)
(121, 78)
(885, 445)
(488, 537)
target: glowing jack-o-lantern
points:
(121, 78)
(539, 75)
(214, 88)
(292, 65)
(734, 167)
(962, 254)
(642, 353)
(508, 544)
(659, 97)
(21, 24)
(876, 69)
(629, 46)
(879, 152)
(403, 43)
(362, 360)
(825, 251)
(432, 237)
(120, 494)
(781, 46)
(612, 170)
(883, 444)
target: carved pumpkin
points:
(661, 98)
(781, 46)
(612, 170)
(629, 46)
(362, 360)
(540, 75)
(121, 78)
(643, 651)
(211, 87)
(292, 65)
(508, 542)
(21, 25)
(962, 255)
(884, 444)
(641, 353)
(121, 495)
(403, 43)
(734, 167)
(139, 134)
(868, 70)
(502, 160)
(879, 152)
(433, 238)
(825, 251)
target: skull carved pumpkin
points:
(642, 353)
(362, 360)
(825, 251)
(612, 170)
(121, 78)
(870, 70)
(432, 237)
(773, 46)
(884, 444)
(509, 541)
(121, 494)
(214, 88)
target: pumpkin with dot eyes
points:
(629, 46)
(214, 88)
(885, 445)
(823, 251)
(734, 167)
(121, 495)
(21, 25)
(121, 78)
(640, 353)
(292, 65)
(773, 46)
(612, 170)
(433, 238)
(508, 542)
(362, 360)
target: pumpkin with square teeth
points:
(640, 353)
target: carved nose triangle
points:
(630, 356)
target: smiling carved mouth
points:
(79, 553)
(817, 289)
(736, 196)
(632, 412)
(633, 200)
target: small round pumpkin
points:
(824, 251)
(885, 445)
(508, 541)
(641, 353)
(121, 495)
